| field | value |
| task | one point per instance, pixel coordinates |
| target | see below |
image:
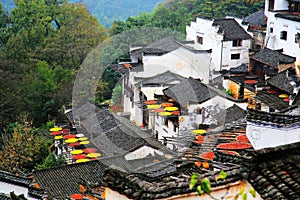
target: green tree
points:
(77, 34)
(24, 149)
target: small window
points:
(283, 35)
(271, 30)
(271, 5)
(297, 38)
(237, 43)
(235, 56)
(200, 40)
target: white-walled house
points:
(283, 27)
(229, 41)
(181, 58)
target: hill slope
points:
(107, 11)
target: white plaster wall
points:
(163, 130)
(137, 112)
(113, 195)
(267, 136)
(222, 102)
(150, 91)
(228, 49)
(221, 51)
(289, 46)
(281, 5)
(211, 40)
(142, 153)
(180, 61)
(6, 188)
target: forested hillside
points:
(107, 11)
(175, 14)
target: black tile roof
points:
(277, 119)
(167, 77)
(242, 69)
(281, 82)
(272, 58)
(289, 16)
(23, 181)
(4, 197)
(17, 180)
(189, 90)
(271, 100)
(164, 46)
(231, 29)
(60, 182)
(176, 182)
(256, 19)
(275, 172)
(114, 135)
(234, 113)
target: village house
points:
(229, 42)
(269, 82)
(256, 27)
(168, 54)
(283, 29)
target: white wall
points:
(150, 91)
(142, 153)
(180, 61)
(259, 135)
(221, 51)
(278, 24)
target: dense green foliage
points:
(44, 45)
(175, 14)
(23, 148)
(107, 11)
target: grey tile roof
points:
(60, 182)
(242, 69)
(256, 19)
(167, 77)
(164, 46)
(114, 135)
(231, 29)
(276, 119)
(17, 180)
(281, 82)
(289, 16)
(23, 181)
(273, 172)
(234, 113)
(189, 90)
(176, 182)
(272, 58)
(271, 100)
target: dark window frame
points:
(199, 40)
(283, 35)
(237, 43)
(235, 56)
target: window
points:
(235, 56)
(200, 40)
(297, 38)
(271, 30)
(271, 4)
(283, 35)
(237, 43)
